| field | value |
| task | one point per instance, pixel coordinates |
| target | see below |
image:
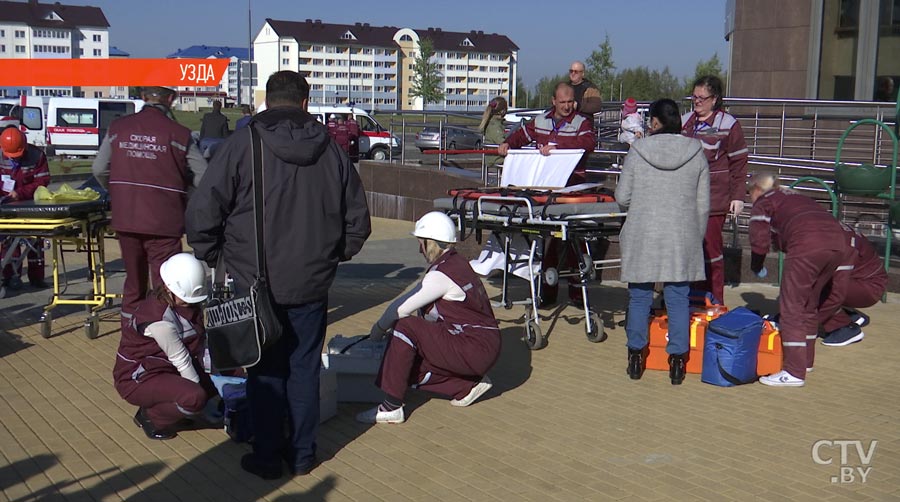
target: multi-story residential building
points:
(33, 30)
(372, 66)
(233, 88)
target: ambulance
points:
(29, 114)
(77, 126)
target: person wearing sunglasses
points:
(587, 95)
(726, 151)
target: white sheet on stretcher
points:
(526, 168)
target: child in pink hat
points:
(632, 124)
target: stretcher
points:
(71, 227)
(579, 217)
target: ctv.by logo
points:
(849, 471)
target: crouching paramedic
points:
(814, 248)
(159, 365)
(448, 350)
(859, 283)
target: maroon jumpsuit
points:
(143, 375)
(448, 356)
(859, 283)
(815, 247)
(29, 171)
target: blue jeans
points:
(640, 297)
(285, 384)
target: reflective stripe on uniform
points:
(793, 344)
(403, 337)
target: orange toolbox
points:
(770, 355)
(658, 359)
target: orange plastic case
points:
(658, 359)
(770, 355)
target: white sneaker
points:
(377, 416)
(480, 388)
(782, 379)
(809, 370)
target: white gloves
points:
(736, 207)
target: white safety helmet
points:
(185, 276)
(436, 226)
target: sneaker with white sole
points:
(480, 388)
(782, 379)
(841, 337)
(378, 416)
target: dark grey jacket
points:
(315, 207)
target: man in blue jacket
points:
(315, 217)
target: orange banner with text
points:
(113, 72)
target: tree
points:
(426, 82)
(543, 91)
(522, 95)
(711, 66)
(599, 67)
(644, 84)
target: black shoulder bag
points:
(239, 329)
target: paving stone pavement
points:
(563, 423)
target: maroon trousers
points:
(429, 356)
(858, 294)
(142, 255)
(713, 254)
(167, 397)
(804, 279)
(35, 261)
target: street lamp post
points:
(250, 51)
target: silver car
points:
(456, 138)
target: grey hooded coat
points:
(664, 186)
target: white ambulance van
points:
(375, 142)
(77, 126)
(28, 113)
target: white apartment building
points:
(33, 30)
(372, 66)
(235, 85)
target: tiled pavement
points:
(564, 423)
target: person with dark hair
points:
(817, 252)
(213, 130)
(159, 365)
(491, 126)
(315, 216)
(148, 162)
(884, 89)
(727, 153)
(664, 186)
(587, 95)
(246, 117)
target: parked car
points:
(456, 138)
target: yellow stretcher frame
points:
(86, 234)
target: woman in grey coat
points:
(664, 186)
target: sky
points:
(550, 35)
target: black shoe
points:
(142, 421)
(268, 471)
(14, 283)
(676, 368)
(636, 363)
(303, 468)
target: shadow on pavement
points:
(361, 286)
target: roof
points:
(478, 41)
(55, 15)
(315, 31)
(207, 51)
(327, 33)
(115, 51)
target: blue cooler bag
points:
(731, 348)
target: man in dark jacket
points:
(213, 130)
(148, 162)
(587, 96)
(315, 217)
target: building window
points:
(406, 38)
(2, 48)
(98, 52)
(81, 52)
(285, 62)
(20, 49)
(285, 48)
(20, 33)
(98, 94)
(97, 38)
(2, 33)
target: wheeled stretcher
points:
(71, 227)
(579, 219)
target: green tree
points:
(599, 68)
(644, 84)
(711, 66)
(522, 95)
(426, 82)
(543, 91)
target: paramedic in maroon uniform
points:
(859, 283)
(815, 249)
(726, 151)
(158, 365)
(451, 347)
(148, 162)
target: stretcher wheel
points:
(551, 276)
(533, 336)
(92, 327)
(596, 333)
(46, 321)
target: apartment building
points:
(33, 30)
(372, 66)
(235, 85)
(827, 49)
